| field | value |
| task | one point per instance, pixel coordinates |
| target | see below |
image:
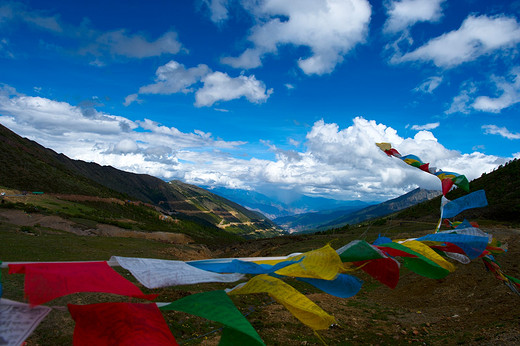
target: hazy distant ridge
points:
(340, 217)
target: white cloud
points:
(174, 77)
(510, 94)
(131, 99)
(126, 146)
(97, 136)
(508, 88)
(218, 9)
(209, 87)
(334, 162)
(219, 86)
(427, 127)
(429, 85)
(405, 13)
(502, 131)
(462, 102)
(330, 28)
(477, 36)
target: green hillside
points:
(28, 166)
(25, 165)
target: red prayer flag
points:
(394, 252)
(448, 247)
(47, 281)
(447, 183)
(120, 324)
(385, 270)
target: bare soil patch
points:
(21, 218)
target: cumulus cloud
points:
(174, 77)
(330, 28)
(219, 86)
(97, 136)
(404, 13)
(333, 161)
(429, 85)
(427, 127)
(477, 36)
(209, 87)
(502, 131)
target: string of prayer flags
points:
(47, 281)
(454, 207)
(155, 273)
(18, 320)
(494, 267)
(217, 306)
(298, 304)
(323, 263)
(108, 324)
(448, 179)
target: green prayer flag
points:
(217, 306)
(358, 250)
(420, 265)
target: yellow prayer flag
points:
(427, 252)
(299, 305)
(384, 146)
(323, 263)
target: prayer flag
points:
(299, 305)
(18, 320)
(475, 199)
(323, 263)
(359, 250)
(217, 306)
(343, 286)
(47, 281)
(238, 266)
(154, 273)
(108, 324)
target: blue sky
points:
(268, 95)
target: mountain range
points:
(335, 218)
(276, 206)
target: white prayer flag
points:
(18, 320)
(154, 273)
